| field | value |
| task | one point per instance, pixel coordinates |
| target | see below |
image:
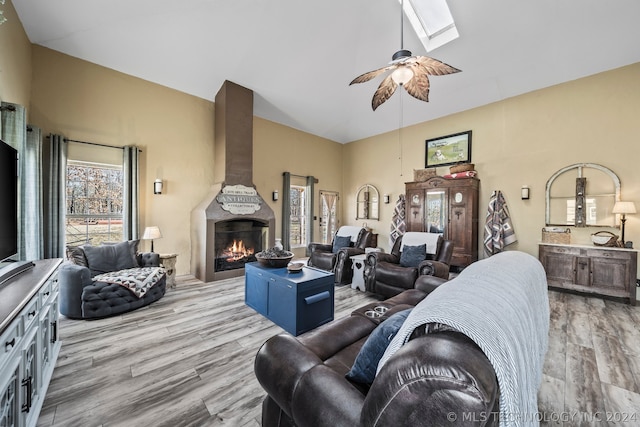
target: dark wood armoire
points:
(448, 206)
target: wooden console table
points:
(591, 269)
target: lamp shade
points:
(151, 233)
(624, 208)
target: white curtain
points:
(32, 195)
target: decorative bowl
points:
(269, 260)
(295, 267)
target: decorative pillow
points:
(133, 245)
(107, 258)
(75, 254)
(364, 367)
(340, 242)
(412, 256)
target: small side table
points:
(168, 261)
(358, 270)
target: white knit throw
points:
(502, 304)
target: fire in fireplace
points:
(237, 241)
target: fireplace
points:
(233, 222)
(237, 242)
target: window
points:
(432, 21)
(94, 203)
(298, 216)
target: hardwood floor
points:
(187, 360)
(592, 368)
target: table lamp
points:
(151, 233)
(624, 208)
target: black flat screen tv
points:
(8, 201)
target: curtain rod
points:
(94, 143)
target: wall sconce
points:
(524, 192)
(157, 186)
(386, 199)
(274, 196)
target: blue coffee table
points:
(297, 302)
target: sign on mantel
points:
(239, 199)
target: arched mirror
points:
(367, 202)
(582, 195)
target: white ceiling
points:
(299, 56)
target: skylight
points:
(432, 22)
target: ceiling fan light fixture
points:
(402, 75)
(406, 70)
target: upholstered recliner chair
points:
(336, 257)
(413, 254)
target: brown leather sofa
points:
(431, 379)
(322, 256)
(384, 275)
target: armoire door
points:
(461, 229)
(415, 210)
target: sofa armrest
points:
(72, 279)
(428, 283)
(374, 257)
(322, 247)
(434, 268)
(326, 399)
(452, 376)
(349, 252)
(148, 259)
(279, 365)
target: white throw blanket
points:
(350, 231)
(502, 304)
(416, 238)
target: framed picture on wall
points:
(448, 150)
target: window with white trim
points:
(94, 203)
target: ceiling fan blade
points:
(370, 75)
(435, 67)
(384, 92)
(418, 86)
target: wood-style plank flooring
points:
(187, 360)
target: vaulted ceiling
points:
(299, 57)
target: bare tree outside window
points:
(298, 219)
(94, 203)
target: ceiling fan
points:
(409, 71)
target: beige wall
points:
(175, 131)
(279, 149)
(15, 59)
(519, 141)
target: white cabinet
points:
(29, 342)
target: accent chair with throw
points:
(336, 257)
(413, 254)
(102, 281)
